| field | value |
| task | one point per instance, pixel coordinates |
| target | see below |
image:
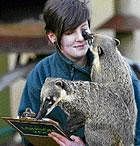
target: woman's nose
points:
(79, 36)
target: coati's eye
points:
(100, 51)
(50, 100)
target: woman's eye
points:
(68, 32)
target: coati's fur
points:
(106, 105)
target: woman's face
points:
(73, 44)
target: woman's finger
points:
(77, 139)
(63, 141)
(60, 139)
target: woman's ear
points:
(52, 37)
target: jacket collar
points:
(86, 68)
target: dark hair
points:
(63, 15)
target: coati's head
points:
(107, 58)
(100, 44)
(53, 90)
(104, 45)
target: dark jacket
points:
(58, 66)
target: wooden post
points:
(122, 7)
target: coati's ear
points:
(117, 42)
(60, 83)
(63, 85)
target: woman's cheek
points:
(67, 41)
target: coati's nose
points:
(45, 106)
(86, 35)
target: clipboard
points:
(36, 131)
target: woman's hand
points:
(63, 141)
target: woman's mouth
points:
(79, 46)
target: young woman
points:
(64, 20)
